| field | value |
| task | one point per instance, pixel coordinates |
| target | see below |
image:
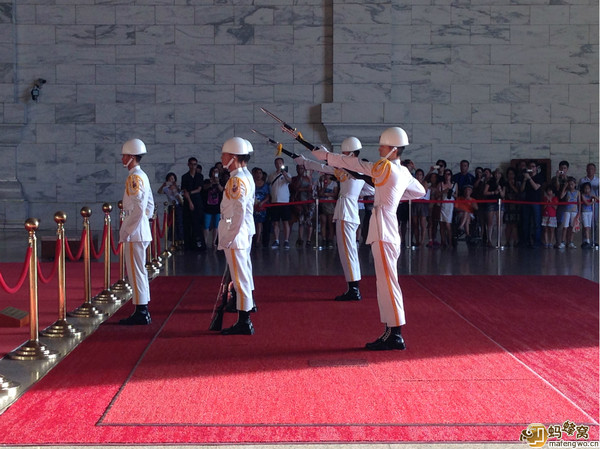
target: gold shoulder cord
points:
(341, 175)
(233, 189)
(133, 185)
(381, 168)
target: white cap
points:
(351, 144)
(134, 147)
(250, 149)
(235, 145)
(394, 137)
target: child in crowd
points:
(175, 200)
(569, 194)
(465, 208)
(587, 200)
(549, 216)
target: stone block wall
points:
(481, 80)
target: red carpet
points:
(478, 367)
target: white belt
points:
(350, 197)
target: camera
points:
(561, 172)
(216, 175)
(436, 167)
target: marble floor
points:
(461, 260)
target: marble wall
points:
(481, 80)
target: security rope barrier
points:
(41, 277)
(22, 276)
(106, 296)
(79, 251)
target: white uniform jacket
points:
(393, 182)
(138, 207)
(250, 204)
(346, 207)
(233, 230)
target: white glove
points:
(321, 153)
(300, 160)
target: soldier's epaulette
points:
(341, 175)
(381, 170)
(235, 188)
(133, 184)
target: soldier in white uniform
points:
(345, 216)
(234, 231)
(135, 234)
(393, 183)
(250, 207)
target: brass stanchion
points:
(166, 253)
(33, 349)
(61, 328)
(8, 386)
(106, 296)
(156, 260)
(121, 288)
(174, 243)
(87, 309)
(150, 268)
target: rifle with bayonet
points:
(277, 145)
(298, 136)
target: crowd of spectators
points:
(518, 206)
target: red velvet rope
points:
(22, 276)
(93, 253)
(158, 248)
(160, 233)
(41, 277)
(423, 201)
(79, 252)
(115, 249)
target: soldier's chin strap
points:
(226, 166)
(128, 163)
(391, 151)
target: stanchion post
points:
(150, 267)
(87, 309)
(317, 223)
(33, 349)
(121, 288)
(594, 224)
(8, 386)
(166, 253)
(409, 226)
(156, 260)
(106, 296)
(174, 245)
(499, 240)
(61, 327)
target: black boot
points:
(352, 294)
(242, 327)
(140, 316)
(391, 339)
